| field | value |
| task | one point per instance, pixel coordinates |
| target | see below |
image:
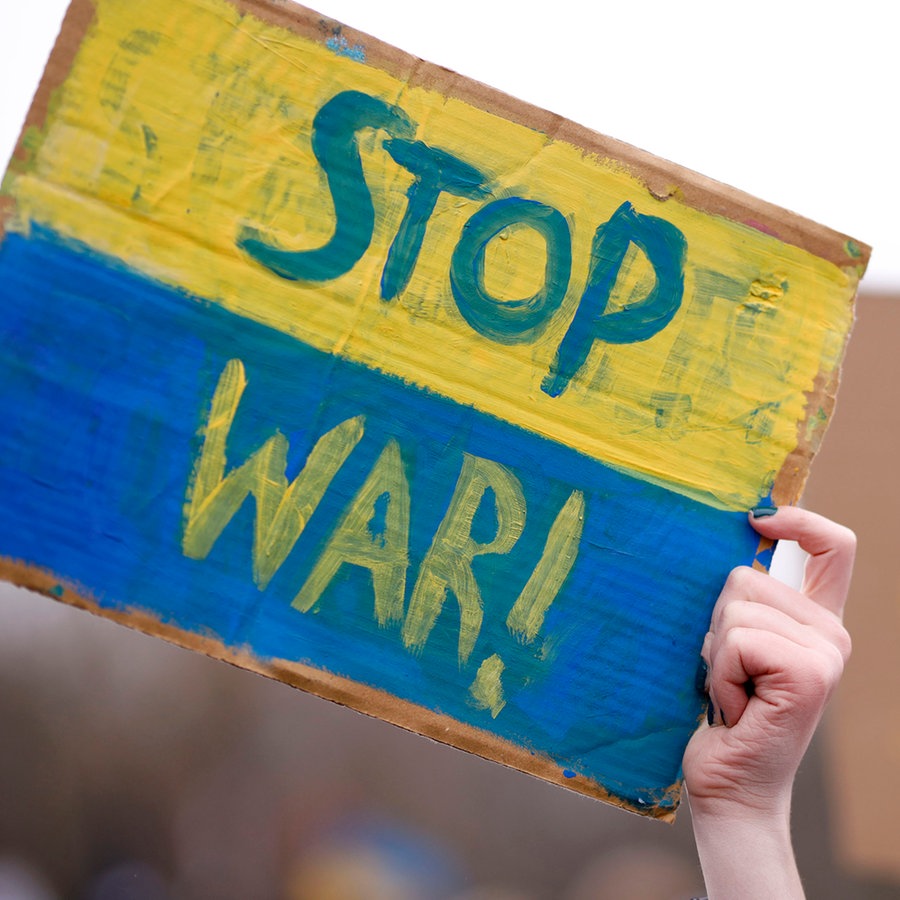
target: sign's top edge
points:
(662, 178)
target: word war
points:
(283, 509)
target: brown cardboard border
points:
(75, 25)
(362, 698)
(662, 178)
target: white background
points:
(791, 101)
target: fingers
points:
(831, 548)
(767, 641)
(748, 593)
(761, 616)
(791, 682)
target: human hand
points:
(775, 655)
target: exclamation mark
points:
(527, 615)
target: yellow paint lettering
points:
(527, 615)
(448, 563)
(282, 508)
(374, 534)
(486, 691)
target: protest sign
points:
(330, 363)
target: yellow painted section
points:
(385, 555)
(182, 122)
(487, 689)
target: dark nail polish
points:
(760, 512)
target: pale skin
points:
(775, 656)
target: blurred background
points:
(133, 769)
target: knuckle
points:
(845, 539)
(735, 614)
(733, 638)
(843, 642)
(824, 671)
(740, 581)
(835, 634)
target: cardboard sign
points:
(329, 363)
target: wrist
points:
(763, 808)
(718, 822)
(746, 852)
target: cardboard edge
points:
(76, 22)
(662, 179)
(343, 691)
(821, 401)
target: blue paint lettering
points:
(665, 248)
(510, 321)
(335, 146)
(436, 171)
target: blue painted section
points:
(341, 46)
(105, 380)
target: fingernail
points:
(760, 512)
